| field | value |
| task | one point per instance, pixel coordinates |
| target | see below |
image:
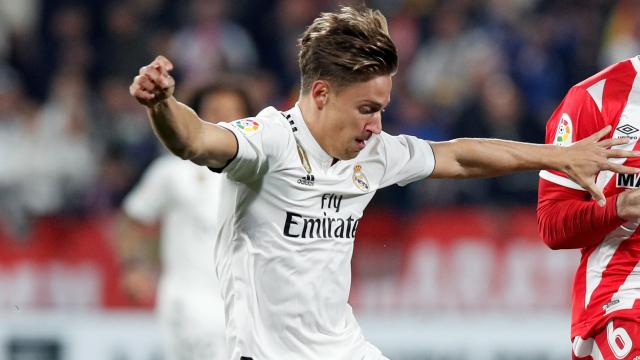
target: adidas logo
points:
(307, 180)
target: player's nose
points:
(375, 124)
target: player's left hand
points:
(584, 159)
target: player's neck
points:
(311, 115)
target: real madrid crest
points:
(359, 179)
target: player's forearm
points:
(493, 157)
(177, 126)
(567, 222)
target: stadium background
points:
(442, 269)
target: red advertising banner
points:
(441, 260)
(62, 263)
(459, 260)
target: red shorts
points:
(619, 340)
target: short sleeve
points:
(407, 159)
(147, 200)
(576, 118)
(259, 143)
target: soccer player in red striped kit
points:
(606, 287)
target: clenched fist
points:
(153, 84)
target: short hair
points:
(348, 46)
(220, 87)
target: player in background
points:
(182, 199)
(297, 182)
(606, 288)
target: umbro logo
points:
(307, 180)
(627, 129)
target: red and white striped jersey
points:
(607, 282)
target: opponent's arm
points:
(467, 158)
(568, 220)
(176, 125)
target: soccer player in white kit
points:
(296, 184)
(183, 198)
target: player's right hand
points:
(153, 83)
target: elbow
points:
(553, 245)
(550, 241)
(545, 233)
(181, 149)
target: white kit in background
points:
(183, 198)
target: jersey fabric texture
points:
(286, 241)
(184, 197)
(607, 282)
(619, 339)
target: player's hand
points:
(153, 83)
(586, 158)
(628, 204)
(139, 283)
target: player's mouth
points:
(361, 143)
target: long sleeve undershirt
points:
(567, 220)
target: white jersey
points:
(184, 198)
(284, 251)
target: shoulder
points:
(269, 132)
(268, 123)
(619, 71)
(384, 145)
(617, 78)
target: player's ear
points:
(320, 93)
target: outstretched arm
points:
(467, 158)
(178, 127)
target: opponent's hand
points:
(628, 204)
(153, 83)
(586, 158)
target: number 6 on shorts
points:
(619, 341)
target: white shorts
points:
(372, 353)
(191, 330)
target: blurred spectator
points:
(210, 44)
(622, 36)
(284, 24)
(18, 20)
(498, 112)
(128, 143)
(68, 44)
(126, 41)
(47, 160)
(69, 158)
(449, 54)
(441, 70)
(16, 127)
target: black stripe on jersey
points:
(291, 122)
(245, 358)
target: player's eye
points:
(367, 109)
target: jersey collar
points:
(305, 138)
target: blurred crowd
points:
(73, 142)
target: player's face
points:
(353, 115)
(222, 106)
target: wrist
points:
(160, 105)
(556, 159)
(619, 208)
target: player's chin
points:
(351, 154)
